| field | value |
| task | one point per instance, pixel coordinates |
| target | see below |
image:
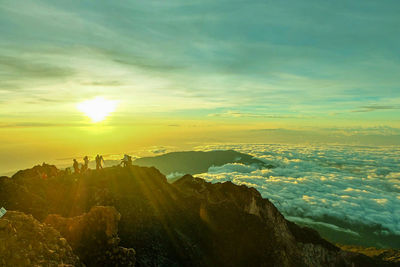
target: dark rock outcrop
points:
(292, 245)
(26, 242)
(94, 237)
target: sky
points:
(184, 73)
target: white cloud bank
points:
(350, 183)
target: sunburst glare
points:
(97, 109)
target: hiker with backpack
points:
(126, 161)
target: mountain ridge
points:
(187, 223)
(194, 162)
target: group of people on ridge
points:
(126, 161)
(85, 165)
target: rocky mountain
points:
(146, 221)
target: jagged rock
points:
(248, 201)
(43, 171)
(94, 237)
(293, 245)
(26, 242)
(18, 196)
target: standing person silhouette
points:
(99, 161)
(86, 163)
(76, 166)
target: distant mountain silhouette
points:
(187, 223)
(194, 162)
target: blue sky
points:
(275, 58)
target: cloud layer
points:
(354, 184)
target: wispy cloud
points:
(376, 108)
(14, 66)
(238, 114)
(42, 124)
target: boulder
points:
(24, 241)
(94, 237)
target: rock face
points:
(94, 237)
(18, 196)
(217, 202)
(187, 223)
(26, 242)
(292, 245)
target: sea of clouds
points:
(355, 184)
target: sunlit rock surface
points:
(26, 242)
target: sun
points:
(97, 109)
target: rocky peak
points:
(43, 171)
